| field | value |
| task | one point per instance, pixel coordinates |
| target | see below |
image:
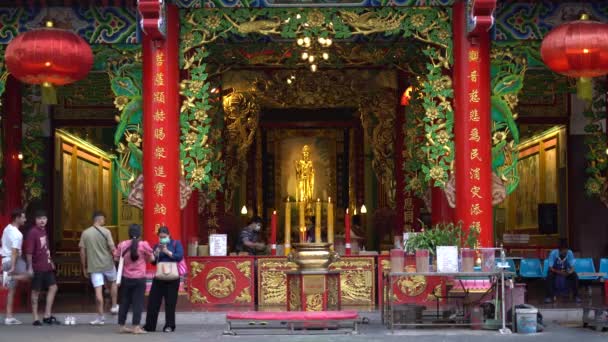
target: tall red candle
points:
(347, 232)
(273, 233)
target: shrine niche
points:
(368, 95)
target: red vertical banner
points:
(477, 178)
(161, 130)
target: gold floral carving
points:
(244, 296)
(196, 268)
(244, 267)
(412, 286)
(197, 298)
(314, 302)
(378, 119)
(220, 282)
(295, 300)
(241, 117)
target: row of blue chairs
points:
(532, 268)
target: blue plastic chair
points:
(530, 268)
(604, 267)
(545, 268)
(584, 265)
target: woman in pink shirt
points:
(136, 254)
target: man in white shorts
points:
(96, 249)
(13, 265)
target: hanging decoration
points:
(578, 49)
(49, 57)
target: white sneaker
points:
(12, 321)
(99, 321)
(114, 309)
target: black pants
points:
(571, 283)
(166, 289)
(132, 293)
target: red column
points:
(441, 212)
(472, 127)
(190, 219)
(13, 176)
(400, 193)
(161, 130)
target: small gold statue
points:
(305, 176)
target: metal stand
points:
(504, 330)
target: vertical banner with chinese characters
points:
(161, 166)
(472, 128)
(477, 180)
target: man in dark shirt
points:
(248, 239)
(40, 264)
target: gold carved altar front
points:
(357, 280)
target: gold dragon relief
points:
(273, 288)
(314, 302)
(357, 287)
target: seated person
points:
(249, 238)
(561, 275)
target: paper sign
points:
(447, 259)
(218, 244)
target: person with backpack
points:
(135, 254)
(96, 256)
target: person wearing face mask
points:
(561, 275)
(167, 250)
(248, 239)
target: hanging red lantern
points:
(578, 49)
(49, 56)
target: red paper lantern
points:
(577, 49)
(49, 56)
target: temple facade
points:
(351, 121)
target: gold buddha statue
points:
(305, 176)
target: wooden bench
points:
(294, 322)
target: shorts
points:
(98, 278)
(20, 268)
(43, 280)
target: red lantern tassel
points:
(49, 94)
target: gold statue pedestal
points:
(313, 287)
(313, 290)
